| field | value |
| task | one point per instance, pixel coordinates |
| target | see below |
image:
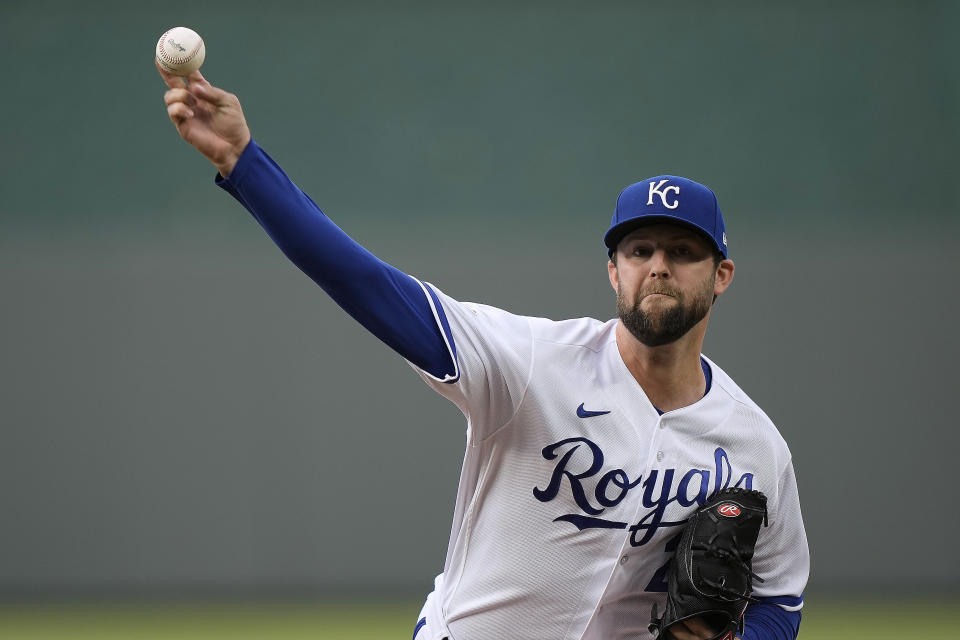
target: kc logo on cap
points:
(655, 188)
(657, 200)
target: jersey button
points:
(659, 455)
(623, 559)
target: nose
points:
(658, 265)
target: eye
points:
(641, 251)
(682, 251)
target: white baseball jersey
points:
(573, 485)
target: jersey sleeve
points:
(493, 350)
(764, 621)
(782, 558)
(392, 305)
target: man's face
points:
(665, 278)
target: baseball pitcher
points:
(616, 484)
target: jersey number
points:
(659, 580)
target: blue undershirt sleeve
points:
(397, 308)
(764, 621)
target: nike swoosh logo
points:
(584, 413)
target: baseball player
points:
(589, 443)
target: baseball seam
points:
(176, 60)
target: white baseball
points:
(181, 51)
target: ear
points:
(612, 273)
(724, 276)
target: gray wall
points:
(182, 410)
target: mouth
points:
(656, 294)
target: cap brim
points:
(616, 233)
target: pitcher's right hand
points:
(208, 118)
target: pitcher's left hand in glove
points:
(710, 580)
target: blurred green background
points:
(850, 619)
(188, 421)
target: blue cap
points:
(667, 199)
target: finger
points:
(197, 77)
(206, 91)
(174, 82)
(691, 629)
(179, 95)
(680, 632)
(179, 112)
(699, 627)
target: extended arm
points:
(394, 306)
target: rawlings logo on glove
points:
(711, 574)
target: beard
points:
(665, 324)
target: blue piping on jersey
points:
(790, 603)
(421, 623)
(440, 317)
(707, 374)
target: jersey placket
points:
(636, 410)
(629, 560)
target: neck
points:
(670, 375)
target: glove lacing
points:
(733, 555)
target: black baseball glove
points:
(711, 575)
